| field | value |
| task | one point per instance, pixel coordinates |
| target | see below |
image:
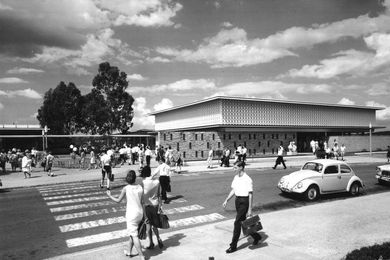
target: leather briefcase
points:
(251, 225)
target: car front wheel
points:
(312, 193)
(355, 189)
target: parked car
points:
(383, 173)
(322, 176)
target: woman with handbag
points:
(152, 200)
(134, 211)
(242, 188)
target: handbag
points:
(142, 230)
(251, 225)
(163, 220)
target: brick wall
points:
(359, 143)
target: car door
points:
(331, 179)
(345, 175)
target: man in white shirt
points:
(280, 159)
(163, 171)
(210, 158)
(242, 188)
(106, 169)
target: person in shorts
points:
(106, 169)
(49, 164)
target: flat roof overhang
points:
(251, 128)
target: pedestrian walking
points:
(388, 153)
(342, 151)
(49, 164)
(179, 162)
(106, 168)
(152, 201)
(210, 158)
(26, 164)
(279, 159)
(134, 212)
(242, 189)
(163, 171)
(92, 159)
(148, 155)
(3, 160)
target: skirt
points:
(151, 214)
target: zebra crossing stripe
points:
(81, 206)
(88, 213)
(122, 208)
(71, 195)
(102, 237)
(92, 224)
(195, 220)
(67, 188)
(59, 202)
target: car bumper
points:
(384, 178)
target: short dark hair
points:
(130, 177)
(145, 172)
(240, 164)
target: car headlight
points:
(378, 170)
(299, 185)
(282, 180)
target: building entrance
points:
(304, 139)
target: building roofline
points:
(261, 100)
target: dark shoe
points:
(108, 188)
(101, 186)
(160, 243)
(274, 168)
(256, 240)
(151, 246)
(230, 250)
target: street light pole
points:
(370, 126)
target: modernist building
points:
(259, 124)
(21, 136)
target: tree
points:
(61, 109)
(111, 83)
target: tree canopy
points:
(106, 109)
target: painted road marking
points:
(92, 224)
(183, 209)
(82, 206)
(59, 202)
(68, 188)
(102, 237)
(72, 195)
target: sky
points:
(177, 52)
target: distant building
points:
(20, 136)
(258, 124)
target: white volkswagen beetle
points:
(322, 176)
(383, 173)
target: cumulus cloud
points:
(12, 80)
(380, 114)
(165, 103)
(137, 77)
(141, 119)
(178, 86)
(17, 70)
(352, 62)
(28, 93)
(346, 101)
(272, 89)
(232, 48)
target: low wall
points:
(360, 143)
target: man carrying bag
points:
(242, 188)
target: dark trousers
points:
(242, 206)
(280, 160)
(165, 183)
(148, 160)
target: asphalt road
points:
(30, 228)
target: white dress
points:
(134, 210)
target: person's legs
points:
(242, 205)
(164, 184)
(160, 243)
(150, 236)
(282, 161)
(137, 245)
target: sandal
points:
(160, 243)
(128, 254)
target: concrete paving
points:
(327, 230)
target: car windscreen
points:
(313, 166)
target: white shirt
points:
(242, 185)
(105, 159)
(162, 170)
(280, 151)
(148, 152)
(211, 153)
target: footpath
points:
(327, 230)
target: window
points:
(213, 137)
(201, 154)
(273, 151)
(171, 136)
(332, 169)
(272, 136)
(177, 147)
(184, 154)
(259, 144)
(196, 154)
(293, 136)
(285, 136)
(254, 136)
(230, 136)
(184, 137)
(345, 169)
(219, 144)
(277, 136)
(239, 136)
(268, 143)
(250, 151)
(208, 145)
(224, 136)
(249, 136)
(245, 144)
(201, 137)
(263, 136)
(254, 151)
(263, 151)
(189, 145)
(196, 136)
(165, 137)
(235, 144)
